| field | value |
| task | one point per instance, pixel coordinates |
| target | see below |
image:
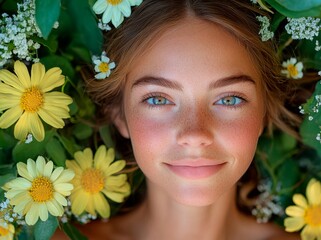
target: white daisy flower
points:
(292, 68)
(114, 10)
(103, 66)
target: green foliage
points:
(45, 229)
(297, 8)
(46, 19)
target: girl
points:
(193, 90)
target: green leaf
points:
(85, 23)
(72, 232)
(6, 140)
(297, 8)
(45, 229)
(82, 131)
(106, 133)
(23, 151)
(288, 174)
(56, 152)
(311, 125)
(47, 13)
(61, 62)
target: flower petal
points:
(293, 224)
(52, 79)
(10, 116)
(37, 73)
(22, 73)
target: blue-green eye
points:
(157, 100)
(230, 101)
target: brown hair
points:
(153, 17)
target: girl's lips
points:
(194, 170)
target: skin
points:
(194, 110)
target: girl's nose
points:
(195, 129)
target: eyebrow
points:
(163, 82)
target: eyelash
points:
(154, 96)
(168, 102)
(241, 100)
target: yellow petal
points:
(22, 73)
(32, 169)
(116, 197)
(53, 208)
(73, 165)
(36, 127)
(60, 199)
(23, 171)
(65, 176)
(9, 102)
(116, 181)
(52, 79)
(84, 158)
(11, 79)
(56, 173)
(10, 91)
(300, 200)
(101, 205)
(22, 127)
(116, 167)
(32, 215)
(100, 157)
(51, 118)
(10, 116)
(294, 211)
(40, 165)
(293, 224)
(79, 204)
(308, 233)
(314, 192)
(37, 73)
(48, 169)
(43, 211)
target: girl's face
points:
(193, 109)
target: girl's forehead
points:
(197, 47)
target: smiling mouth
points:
(194, 171)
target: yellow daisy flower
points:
(95, 179)
(6, 230)
(39, 190)
(306, 213)
(27, 97)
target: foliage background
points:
(287, 163)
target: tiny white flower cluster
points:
(265, 33)
(7, 213)
(83, 218)
(303, 28)
(266, 204)
(16, 32)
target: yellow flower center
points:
(292, 70)
(3, 231)
(114, 2)
(103, 67)
(41, 189)
(92, 180)
(313, 215)
(31, 100)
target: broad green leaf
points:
(6, 178)
(106, 133)
(23, 151)
(82, 131)
(47, 13)
(72, 232)
(51, 61)
(56, 152)
(288, 174)
(85, 22)
(6, 141)
(297, 8)
(45, 229)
